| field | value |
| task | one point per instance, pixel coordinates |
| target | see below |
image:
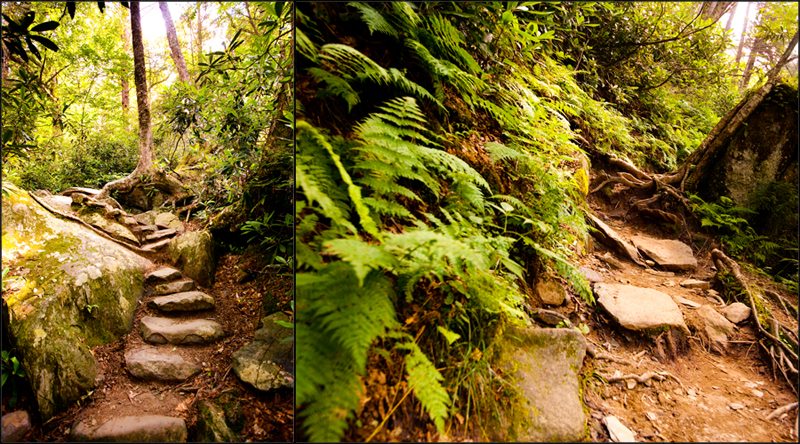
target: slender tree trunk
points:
(146, 155)
(744, 35)
(126, 90)
(199, 31)
(174, 45)
(730, 18)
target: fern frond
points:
(499, 152)
(362, 256)
(374, 19)
(336, 86)
(426, 382)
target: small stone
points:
(551, 292)
(650, 263)
(691, 392)
(591, 275)
(15, 425)
(155, 246)
(685, 301)
(749, 384)
(78, 198)
(712, 292)
(612, 262)
(160, 234)
(631, 383)
(694, 283)
(669, 284)
(659, 273)
(757, 393)
(164, 220)
(129, 221)
(617, 431)
(736, 406)
(736, 312)
(651, 416)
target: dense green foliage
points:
(440, 175)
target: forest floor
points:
(268, 417)
(719, 397)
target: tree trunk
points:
(756, 47)
(744, 35)
(126, 91)
(199, 31)
(714, 10)
(730, 19)
(174, 45)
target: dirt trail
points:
(238, 307)
(718, 398)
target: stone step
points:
(156, 245)
(162, 330)
(174, 287)
(146, 428)
(163, 274)
(160, 234)
(150, 363)
(186, 301)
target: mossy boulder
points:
(195, 253)
(76, 290)
(212, 425)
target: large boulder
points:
(77, 290)
(194, 252)
(545, 363)
(267, 363)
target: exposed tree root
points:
(782, 356)
(592, 351)
(781, 410)
(645, 377)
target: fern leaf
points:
(336, 86)
(426, 382)
(362, 256)
(374, 19)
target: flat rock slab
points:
(161, 331)
(546, 363)
(638, 308)
(694, 283)
(267, 363)
(186, 301)
(168, 220)
(610, 237)
(148, 428)
(160, 234)
(670, 254)
(164, 274)
(156, 245)
(151, 363)
(174, 287)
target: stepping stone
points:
(174, 287)
(130, 222)
(670, 254)
(150, 363)
(156, 245)
(147, 428)
(186, 301)
(685, 301)
(148, 228)
(168, 220)
(638, 308)
(162, 330)
(164, 274)
(160, 234)
(546, 362)
(694, 283)
(668, 274)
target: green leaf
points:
(47, 43)
(362, 256)
(506, 207)
(45, 26)
(450, 336)
(71, 9)
(279, 8)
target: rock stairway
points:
(175, 295)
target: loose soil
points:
(239, 307)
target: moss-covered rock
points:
(194, 252)
(77, 290)
(212, 425)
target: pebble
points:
(750, 385)
(736, 406)
(651, 416)
(758, 393)
(691, 392)
(617, 431)
(631, 384)
(669, 284)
